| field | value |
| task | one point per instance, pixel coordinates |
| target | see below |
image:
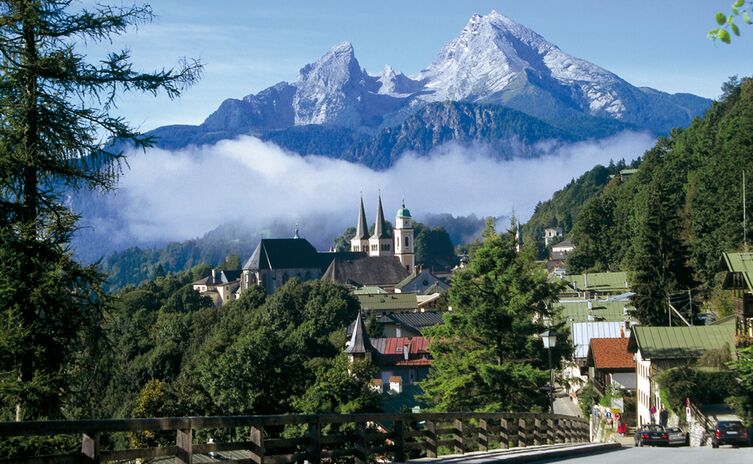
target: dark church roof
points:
(283, 253)
(381, 271)
(293, 253)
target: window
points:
(406, 242)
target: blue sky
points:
(248, 45)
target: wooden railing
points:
(295, 438)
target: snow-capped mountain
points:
(493, 52)
(494, 61)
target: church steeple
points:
(359, 344)
(362, 229)
(380, 243)
(360, 242)
(380, 228)
(403, 233)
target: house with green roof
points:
(659, 348)
(382, 303)
(572, 311)
(596, 284)
(739, 279)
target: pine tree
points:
(486, 353)
(659, 261)
(57, 133)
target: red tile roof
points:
(392, 354)
(610, 353)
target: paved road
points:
(724, 455)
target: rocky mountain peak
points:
(330, 89)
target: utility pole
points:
(745, 229)
(690, 304)
(669, 311)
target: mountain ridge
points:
(335, 108)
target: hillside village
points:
(612, 353)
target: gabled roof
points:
(388, 302)
(220, 278)
(392, 351)
(359, 340)
(283, 253)
(583, 332)
(599, 281)
(379, 271)
(380, 227)
(592, 310)
(422, 283)
(610, 354)
(362, 229)
(741, 264)
(564, 244)
(417, 321)
(369, 290)
(680, 342)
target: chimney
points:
(214, 275)
(376, 385)
(406, 351)
(396, 384)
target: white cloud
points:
(183, 194)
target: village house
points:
(658, 348)
(221, 286)
(400, 361)
(739, 279)
(581, 334)
(610, 364)
(596, 285)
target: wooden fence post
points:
(399, 440)
(184, 442)
(558, 436)
(315, 445)
(362, 448)
(257, 438)
(537, 432)
(483, 435)
(522, 435)
(504, 433)
(457, 437)
(90, 446)
(431, 439)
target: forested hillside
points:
(562, 209)
(175, 353)
(669, 222)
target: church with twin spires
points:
(398, 243)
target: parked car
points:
(652, 434)
(676, 436)
(729, 433)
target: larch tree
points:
(57, 134)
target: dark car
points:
(653, 435)
(729, 433)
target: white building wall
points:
(643, 388)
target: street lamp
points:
(549, 337)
